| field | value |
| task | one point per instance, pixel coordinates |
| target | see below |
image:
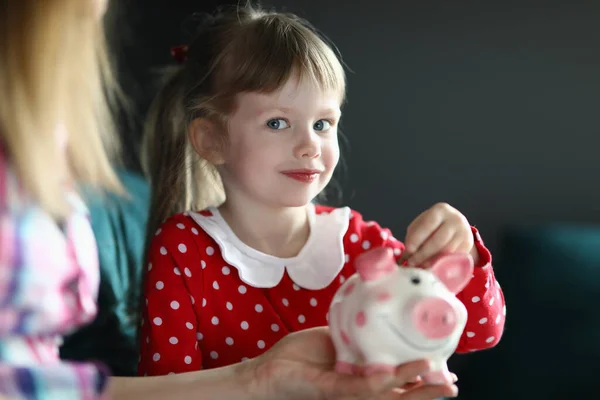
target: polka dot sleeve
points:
(364, 235)
(482, 297)
(168, 337)
(484, 300)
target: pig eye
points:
(415, 280)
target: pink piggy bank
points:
(385, 315)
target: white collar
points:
(314, 268)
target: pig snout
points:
(435, 318)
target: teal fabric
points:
(119, 225)
(550, 276)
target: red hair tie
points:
(180, 53)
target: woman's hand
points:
(301, 366)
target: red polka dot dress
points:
(212, 301)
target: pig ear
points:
(454, 270)
(375, 263)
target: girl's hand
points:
(440, 229)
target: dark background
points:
(490, 106)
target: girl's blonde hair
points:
(244, 50)
(54, 70)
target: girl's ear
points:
(205, 139)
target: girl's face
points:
(282, 146)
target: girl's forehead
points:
(293, 94)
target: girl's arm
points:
(484, 300)
(170, 331)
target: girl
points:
(243, 138)
(52, 70)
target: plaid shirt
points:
(49, 280)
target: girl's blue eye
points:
(277, 123)
(322, 125)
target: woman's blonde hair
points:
(54, 70)
(238, 50)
